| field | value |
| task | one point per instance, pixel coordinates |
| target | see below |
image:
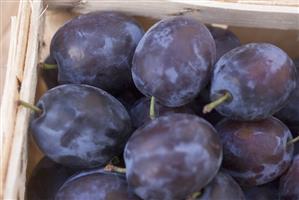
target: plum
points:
(46, 178)
(223, 187)
(289, 114)
(255, 153)
(252, 82)
(173, 60)
(172, 157)
(96, 185)
(128, 97)
(141, 109)
(289, 182)
(49, 75)
(267, 191)
(96, 49)
(80, 126)
(225, 40)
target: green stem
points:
(194, 196)
(294, 140)
(30, 106)
(48, 66)
(152, 108)
(112, 168)
(209, 107)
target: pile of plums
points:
(180, 112)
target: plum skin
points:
(46, 179)
(225, 40)
(140, 111)
(128, 97)
(255, 153)
(289, 114)
(262, 192)
(96, 184)
(173, 61)
(96, 49)
(258, 76)
(223, 187)
(50, 75)
(288, 184)
(172, 156)
(81, 126)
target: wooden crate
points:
(31, 30)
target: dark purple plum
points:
(47, 177)
(173, 60)
(289, 114)
(172, 157)
(140, 111)
(267, 191)
(50, 75)
(96, 185)
(255, 153)
(289, 182)
(128, 97)
(222, 187)
(225, 40)
(256, 79)
(80, 126)
(199, 103)
(96, 49)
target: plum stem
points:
(30, 106)
(209, 107)
(294, 140)
(152, 108)
(112, 168)
(194, 196)
(47, 66)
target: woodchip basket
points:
(274, 21)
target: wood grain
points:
(16, 61)
(265, 2)
(277, 16)
(15, 176)
(7, 10)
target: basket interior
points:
(288, 40)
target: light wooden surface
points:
(20, 83)
(261, 14)
(16, 61)
(265, 2)
(7, 10)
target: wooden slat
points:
(265, 2)
(7, 107)
(286, 40)
(15, 67)
(247, 15)
(208, 11)
(14, 186)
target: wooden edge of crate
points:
(18, 42)
(233, 13)
(265, 2)
(6, 106)
(21, 80)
